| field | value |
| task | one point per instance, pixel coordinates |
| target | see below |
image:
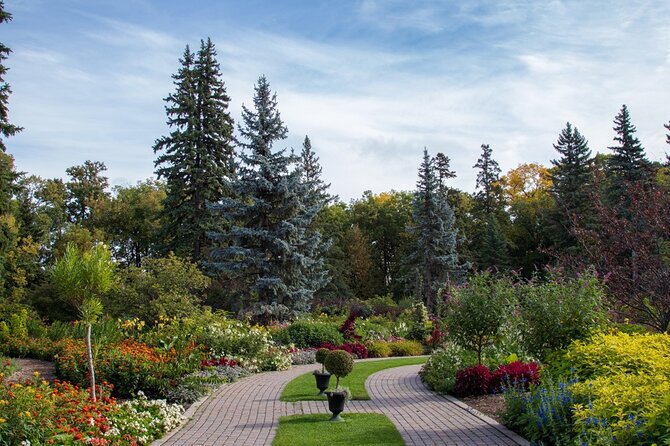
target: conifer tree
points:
(267, 249)
(444, 172)
(490, 194)
(6, 129)
(311, 175)
(197, 160)
(493, 252)
(434, 256)
(628, 164)
(571, 183)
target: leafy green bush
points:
(340, 364)
(406, 348)
(439, 372)
(555, 313)
(478, 312)
(378, 349)
(419, 329)
(306, 333)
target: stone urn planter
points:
(322, 377)
(336, 401)
(340, 364)
(322, 381)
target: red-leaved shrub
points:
(514, 373)
(356, 349)
(472, 381)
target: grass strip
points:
(303, 388)
(361, 429)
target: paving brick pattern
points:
(247, 412)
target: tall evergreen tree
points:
(311, 175)
(444, 172)
(571, 180)
(490, 194)
(6, 129)
(266, 251)
(434, 256)
(493, 252)
(628, 164)
(197, 159)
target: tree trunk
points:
(91, 370)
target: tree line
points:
(258, 230)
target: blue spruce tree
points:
(435, 258)
(268, 251)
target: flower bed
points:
(38, 413)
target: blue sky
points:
(371, 82)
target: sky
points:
(372, 82)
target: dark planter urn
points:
(322, 381)
(336, 402)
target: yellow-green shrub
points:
(616, 353)
(634, 408)
(379, 349)
(406, 348)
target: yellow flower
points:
(36, 374)
(2, 420)
(28, 414)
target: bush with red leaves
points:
(514, 373)
(220, 362)
(472, 381)
(356, 349)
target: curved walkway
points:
(247, 412)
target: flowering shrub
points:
(37, 348)
(304, 356)
(221, 362)
(439, 372)
(543, 414)
(356, 349)
(37, 413)
(130, 366)
(514, 373)
(472, 381)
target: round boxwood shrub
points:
(339, 363)
(305, 334)
(321, 355)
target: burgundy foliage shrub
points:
(472, 381)
(356, 349)
(514, 373)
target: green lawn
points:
(359, 429)
(303, 388)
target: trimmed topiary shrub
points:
(321, 355)
(472, 381)
(340, 364)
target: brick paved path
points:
(247, 412)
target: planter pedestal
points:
(336, 402)
(322, 381)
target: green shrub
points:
(307, 333)
(439, 372)
(477, 313)
(555, 313)
(418, 329)
(378, 349)
(340, 364)
(406, 348)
